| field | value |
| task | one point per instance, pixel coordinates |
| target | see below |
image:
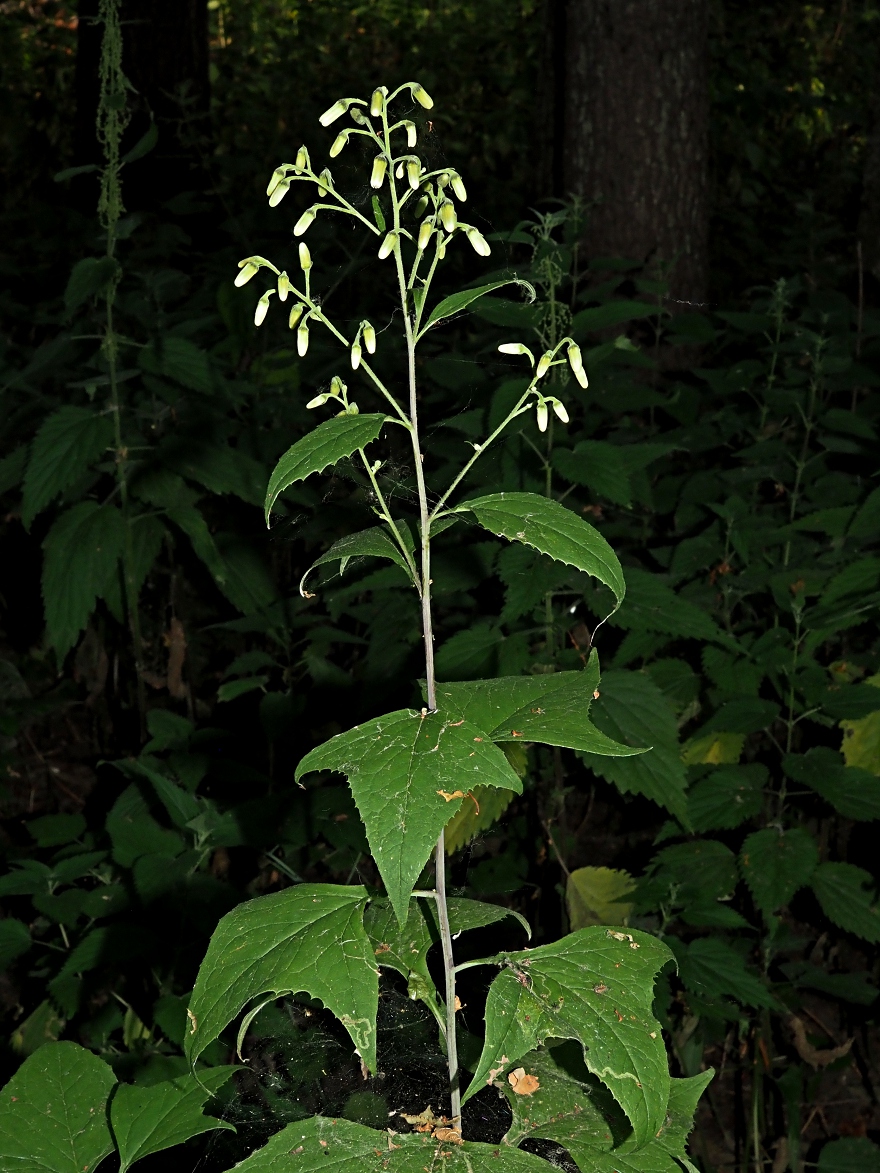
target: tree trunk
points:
(636, 133)
(165, 57)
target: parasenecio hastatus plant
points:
(570, 1038)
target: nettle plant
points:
(570, 1038)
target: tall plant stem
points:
(409, 320)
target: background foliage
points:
(729, 451)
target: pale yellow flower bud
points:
(541, 414)
(303, 222)
(380, 166)
(515, 348)
(448, 218)
(459, 188)
(302, 160)
(387, 247)
(398, 174)
(481, 245)
(305, 257)
(335, 111)
(277, 175)
(544, 364)
(413, 171)
(262, 308)
(248, 270)
(421, 206)
(411, 135)
(337, 387)
(296, 312)
(422, 96)
(577, 364)
(425, 232)
(441, 246)
(302, 339)
(283, 287)
(339, 142)
(279, 192)
(318, 401)
(377, 101)
(355, 355)
(325, 182)
(369, 336)
(560, 411)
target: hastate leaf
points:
(775, 864)
(457, 302)
(53, 1112)
(345, 1147)
(596, 986)
(148, 1119)
(408, 773)
(331, 441)
(552, 709)
(632, 710)
(306, 939)
(81, 552)
(552, 529)
(67, 443)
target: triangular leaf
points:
(148, 1119)
(53, 1112)
(399, 767)
(307, 939)
(552, 529)
(596, 986)
(368, 543)
(331, 441)
(457, 302)
(67, 443)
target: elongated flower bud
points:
(421, 206)
(369, 336)
(398, 174)
(387, 247)
(576, 363)
(442, 180)
(283, 287)
(377, 101)
(380, 166)
(544, 364)
(262, 308)
(516, 348)
(302, 339)
(305, 257)
(296, 312)
(335, 111)
(318, 401)
(422, 96)
(279, 192)
(481, 245)
(303, 222)
(339, 142)
(302, 160)
(459, 188)
(248, 270)
(413, 171)
(355, 355)
(411, 135)
(448, 218)
(337, 387)
(425, 232)
(541, 414)
(441, 246)
(325, 182)
(559, 410)
(277, 175)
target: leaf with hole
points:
(596, 986)
(308, 939)
(551, 529)
(53, 1112)
(332, 441)
(399, 768)
(147, 1119)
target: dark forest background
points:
(694, 188)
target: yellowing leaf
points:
(715, 749)
(861, 738)
(469, 821)
(595, 896)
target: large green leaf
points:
(397, 767)
(67, 443)
(850, 1154)
(631, 709)
(596, 986)
(81, 552)
(552, 709)
(368, 543)
(776, 864)
(651, 605)
(710, 968)
(845, 892)
(345, 1147)
(457, 302)
(598, 465)
(53, 1112)
(331, 441)
(307, 939)
(552, 529)
(148, 1119)
(727, 797)
(220, 468)
(850, 790)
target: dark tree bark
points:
(165, 57)
(635, 133)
